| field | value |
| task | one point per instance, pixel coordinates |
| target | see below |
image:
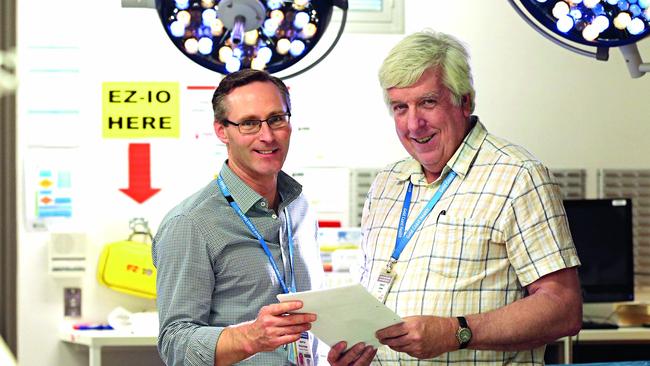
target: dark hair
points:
(241, 78)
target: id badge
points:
(382, 286)
(292, 353)
(305, 357)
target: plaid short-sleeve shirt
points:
(499, 227)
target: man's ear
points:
(466, 104)
(220, 130)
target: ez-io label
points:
(140, 109)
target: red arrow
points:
(139, 174)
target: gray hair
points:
(420, 51)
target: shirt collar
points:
(289, 189)
(460, 162)
(464, 157)
(246, 197)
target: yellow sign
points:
(140, 109)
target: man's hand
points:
(359, 355)
(272, 328)
(421, 336)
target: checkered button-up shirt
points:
(212, 271)
(499, 227)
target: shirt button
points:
(274, 216)
(263, 204)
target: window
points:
(373, 16)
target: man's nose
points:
(265, 133)
(414, 119)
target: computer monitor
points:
(603, 236)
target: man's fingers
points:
(294, 319)
(277, 314)
(366, 357)
(395, 342)
(284, 308)
(353, 354)
(340, 347)
(335, 352)
(393, 331)
(285, 339)
(358, 355)
(293, 329)
(281, 308)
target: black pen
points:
(441, 213)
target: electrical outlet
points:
(72, 302)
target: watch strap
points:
(462, 321)
(463, 328)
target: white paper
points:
(348, 313)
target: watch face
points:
(464, 335)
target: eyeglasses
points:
(251, 126)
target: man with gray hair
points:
(467, 239)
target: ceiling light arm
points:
(633, 60)
(237, 34)
(553, 39)
(343, 5)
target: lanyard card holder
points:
(127, 266)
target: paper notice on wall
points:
(53, 92)
(198, 128)
(51, 189)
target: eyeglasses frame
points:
(285, 114)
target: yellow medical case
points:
(127, 266)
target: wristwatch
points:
(463, 334)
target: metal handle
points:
(139, 226)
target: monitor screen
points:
(603, 236)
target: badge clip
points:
(390, 264)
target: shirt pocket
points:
(462, 247)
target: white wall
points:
(572, 112)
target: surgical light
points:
(274, 4)
(265, 54)
(622, 20)
(603, 24)
(209, 16)
(297, 47)
(564, 24)
(177, 28)
(309, 30)
(250, 37)
(233, 64)
(184, 17)
(225, 53)
(205, 45)
(229, 35)
(301, 20)
(191, 45)
(283, 46)
(182, 4)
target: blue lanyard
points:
(404, 237)
(260, 238)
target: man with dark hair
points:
(224, 253)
